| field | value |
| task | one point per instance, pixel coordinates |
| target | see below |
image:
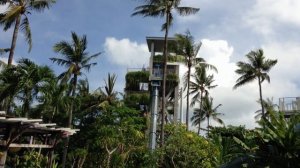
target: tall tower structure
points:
(155, 46)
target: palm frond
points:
(40, 5)
(25, 27)
(10, 16)
(149, 10)
(87, 67)
(61, 61)
(64, 48)
(244, 80)
(256, 66)
(185, 11)
(201, 63)
(88, 59)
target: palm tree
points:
(75, 58)
(33, 77)
(268, 106)
(206, 112)
(164, 8)
(200, 86)
(189, 49)
(198, 117)
(9, 79)
(110, 95)
(17, 14)
(209, 111)
(257, 67)
(276, 143)
(24, 82)
(54, 101)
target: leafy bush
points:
(186, 149)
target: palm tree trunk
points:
(261, 98)
(26, 103)
(200, 111)
(207, 125)
(14, 41)
(64, 159)
(162, 135)
(188, 97)
(72, 105)
(199, 128)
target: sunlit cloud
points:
(126, 53)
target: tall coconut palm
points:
(189, 49)
(257, 67)
(75, 58)
(164, 8)
(17, 14)
(200, 86)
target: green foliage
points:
(114, 138)
(224, 139)
(186, 149)
(172, 77)
(133, 100)
(275, 144)
(171, 58)
(133, 80)
(32, 159)
(279, 143)
(109, 94)
(23, 82)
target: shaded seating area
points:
(29, 133)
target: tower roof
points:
(159, 43)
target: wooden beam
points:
(14, 145)
(47, 125)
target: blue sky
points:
(228, 29)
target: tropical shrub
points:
(186, 149)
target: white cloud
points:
(239, 105)
(285, 74)
(266, 14)
(3, 8)
(218, 53)
(127, 53)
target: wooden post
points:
(3, 158)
